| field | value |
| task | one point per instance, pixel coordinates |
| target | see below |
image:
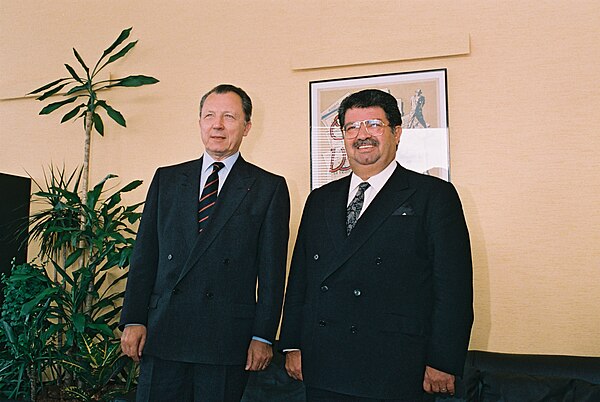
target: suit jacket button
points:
(170, 257)
(378, 260)
(322, 323)
(209, 295)
(316, 257)
(324, 288)
(354, 329)
(226, 261)
(175, 291)
(357, 292)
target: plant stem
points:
(32, 382)
(85, 187)
(86, 157)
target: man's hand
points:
(438, 382)
(259, 356)
(293, 364)
(133, 341)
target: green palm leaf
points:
(122, 36)
(112, 113)
(50, 85)
(134, 81)
(80, 60)
(53, 106)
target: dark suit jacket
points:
(197, 293)
(369, 311)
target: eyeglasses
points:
(373, 127)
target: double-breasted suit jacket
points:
(197, 293)
(370, 310)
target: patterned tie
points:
(353, 210)
(209, 196)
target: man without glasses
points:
(211, 229)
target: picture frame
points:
(424, 142)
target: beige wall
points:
(523, 100)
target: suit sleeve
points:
(291, 327)
(450, 253)
(144, 262)
(272, 257)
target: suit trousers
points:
(164, 380)
(321, 395)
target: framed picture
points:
(422, 100)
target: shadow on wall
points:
(482, 325)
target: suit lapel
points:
(395, 192)
(188, 188)
(236, 187)
(335, 212)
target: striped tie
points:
(209, 196)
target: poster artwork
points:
(424, 140)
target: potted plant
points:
(70, 351)
(46, 325)
(27, 330)
(85, 89)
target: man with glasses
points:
(379, 299)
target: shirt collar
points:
(377, 181)
(208, 160)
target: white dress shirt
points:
(207, 162)
(376, 183)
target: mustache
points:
(367, 141)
